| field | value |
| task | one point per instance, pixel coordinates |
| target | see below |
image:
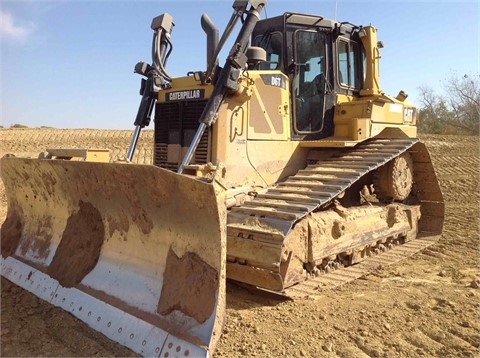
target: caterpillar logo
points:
(185, 95)
(409, 116)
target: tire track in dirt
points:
(457, 163)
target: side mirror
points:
(306, 66)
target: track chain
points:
(348, 274)
(315, 186)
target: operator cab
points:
(321, 57)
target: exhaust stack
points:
(212, 37)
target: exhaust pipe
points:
(212, 37)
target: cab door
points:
(310, 85)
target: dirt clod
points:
(328, 347)
(442, 273)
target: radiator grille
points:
(177, 123)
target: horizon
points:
(66, 64)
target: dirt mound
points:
(426, 305)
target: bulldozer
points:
(286, 163)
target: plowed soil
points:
(427, 305)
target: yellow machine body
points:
(300, 164)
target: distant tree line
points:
(17, 125)
(457, 111)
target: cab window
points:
(309, 81)
(348, 67)
(271, 42)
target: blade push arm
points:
(156, 76)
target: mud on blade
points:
(136, 252)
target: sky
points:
(69, 63)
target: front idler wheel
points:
(394, 180)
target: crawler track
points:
(348, 274)
(257, 230)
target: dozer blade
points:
(137, 252)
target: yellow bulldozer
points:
(274, 170)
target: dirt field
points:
(427, 305)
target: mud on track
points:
(424, 306)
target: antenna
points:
(336, 7)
